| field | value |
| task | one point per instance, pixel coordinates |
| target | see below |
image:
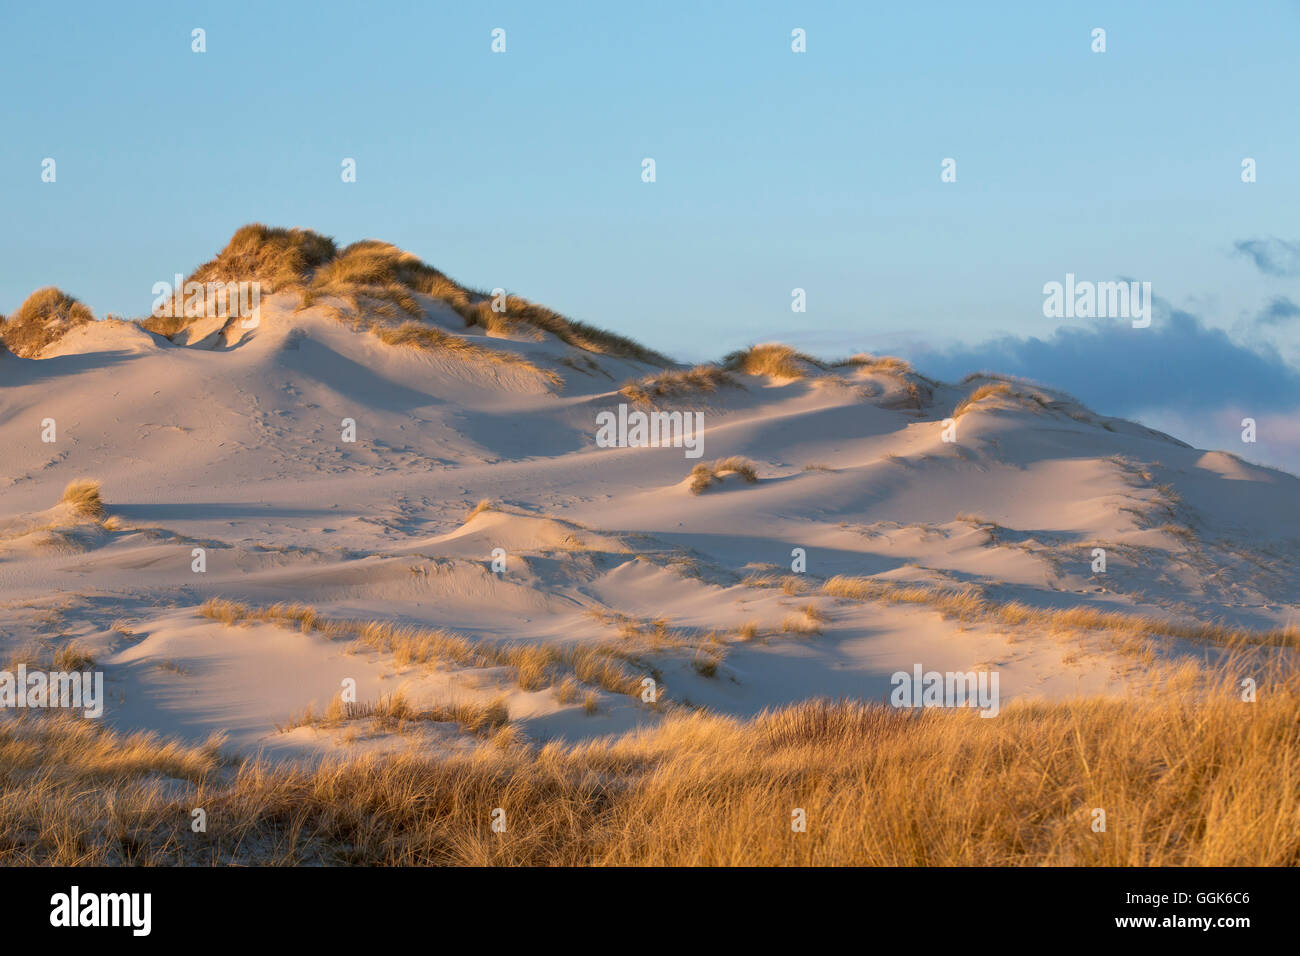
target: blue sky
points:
(775, 170)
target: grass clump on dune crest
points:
(1202, 780)
(484, 504)
(916, 390)
(1027, 396)
(882, 364)
(44, 317)
(771, 359)
(676, 384)
(570, 331)
(380, 278)
(991, 390)
(278, 258)
(83, 497)
(704, 475)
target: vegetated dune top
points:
(45, 316)
(374, 287)
(929, 514)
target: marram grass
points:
(1184, 779)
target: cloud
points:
(1177, 370)
(1279, 311)
(1177, 362)
(1274, 257)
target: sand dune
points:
(232, 440)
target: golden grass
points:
(535, 666)
(393, 712)
(484, 504)
(991, 390)
(677, 384)
(793, 624)
(72, 657)
(432, 339)
(788, 583)
(277, 258)
(704, 475)
(44, 317)
(519, 311)
(969, 604)
(808, 623)
(1205, 780)
(771, 359)
(882, 364)
(379, 278)
(83, 497)
(1029, 397)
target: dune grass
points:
(915, 391)
(394, 712)
(433, 339)
(484, 504)
(771, 359)
(381, 279)
(969, 603)
(677, 384)
(580, 335)
(535, 666)
(704, 475)
(45, 316)
(1204, 780)
(983, 393)
(83, 497)
(880, 364)
(278, 258)
(1023, 394)
(73, 657)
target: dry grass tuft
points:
(991, 390)
(703, 475)
(73, 657)
(484, 504)
(44, 317)
(83, 497)
(808, 624)
(771, 359)
(277, 258)
(1022, 394)
(393, 712)
(788, 583)
(678, 384)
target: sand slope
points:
(232, 442)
